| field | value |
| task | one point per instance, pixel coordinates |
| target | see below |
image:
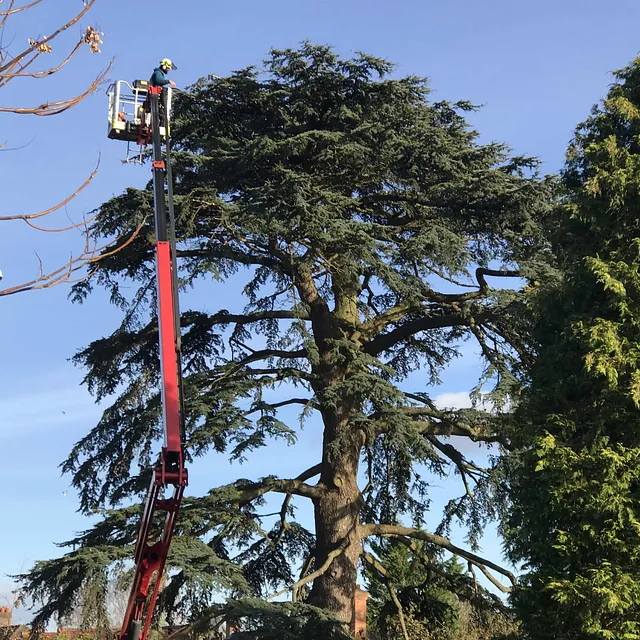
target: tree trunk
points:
(337, 510)
(337, 516)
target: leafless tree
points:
(25, 65)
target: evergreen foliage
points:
(575, 522)
(438, 599)
(374, 235)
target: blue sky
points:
(537, 68)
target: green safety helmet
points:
(167, 64)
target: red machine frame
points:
(151, 552)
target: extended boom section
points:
(160, 514)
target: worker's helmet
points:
(165, 63)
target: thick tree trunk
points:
(337, 515)
(337, 510)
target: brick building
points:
(5, 617)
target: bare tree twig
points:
(63, 274)
(78, 225)
(54, 108)
(11, 11)
(40, 214)
(36, 45)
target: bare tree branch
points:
(64, 274)
(54, 108)
(36, 46)
(19, 65)
(494, 581)
(60, 205)
(12, 11)
(91, 37)
(303, 572)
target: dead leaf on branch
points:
(42, 47)
(92, 38)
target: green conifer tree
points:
(575, 520)
(375, 235)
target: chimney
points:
(359, 616)
(5, 617)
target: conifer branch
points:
(384, 574)
(444, 423)
(385, 341)
(432, 422)
(331, 556)
(296, 486)
(225, 252)
(481, 272)
(458, 459)
(383, 319)
(266, 406)
(257, 316)
(394, 531)
(282, 373)
(264, 354)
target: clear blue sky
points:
(537, 67)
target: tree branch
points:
(276, 405)
(222, 252)
(64, 274)
(464, 467)
(443, 423)
(296, 486)
(305, 567)
(54, 108)
(372, 327)
(498, 273)
(281, 373)
(36, 45)
(391, 530)
(11, 11)
(331, 556)
(60, 205)
(264, 354)
(494, 581)
(287, 501)
(432, 422)
(385, 341)
(231, 318)
(384, 574)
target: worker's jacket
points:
(158, 79)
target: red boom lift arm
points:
(151, 553)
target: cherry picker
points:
(140, 115)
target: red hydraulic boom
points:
(151, 550)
